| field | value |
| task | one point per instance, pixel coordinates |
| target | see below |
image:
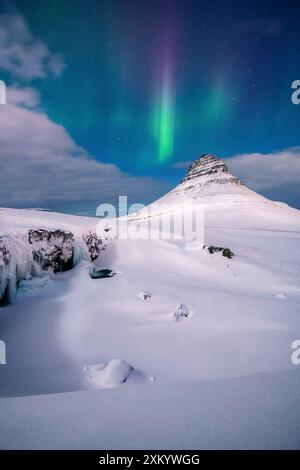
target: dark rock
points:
(52, 249)
(4, 253)
(227, 253)
(94, 245)
(102, 273)
(4, 262)
(218, 249)
(145, 295)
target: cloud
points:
(259, 28)
(42, 166)
(22, 55)
(181, 165)
(275, 175)
(24, 97)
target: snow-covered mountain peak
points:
(209, 169)
(210, 177)
(226, 200)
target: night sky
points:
(147, 83)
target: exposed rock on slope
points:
(15, 264)
(94, 245)
(226, 252)
(52, 248)
(4, 262)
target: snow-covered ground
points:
(220, 377)
(254, 412)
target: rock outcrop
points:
(15, 264)
(226, 252)
(4, 267)
(94, 245)
(101, 273)
(52, 249)
(24, 255)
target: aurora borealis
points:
(164, 103)
(154, 82)
(146, 85)
(164, 120)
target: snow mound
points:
(181, 312)
(145, 295)
(114, 373)
(281, 296)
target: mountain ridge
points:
(208, 177)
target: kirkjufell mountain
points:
(209, 169)
(209, 176)
(226, 200)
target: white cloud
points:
(22, 55)
(42, 166)
(270, 170)
(276, 175)
(25, 97)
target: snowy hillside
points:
(197, 344)
(226, 200)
